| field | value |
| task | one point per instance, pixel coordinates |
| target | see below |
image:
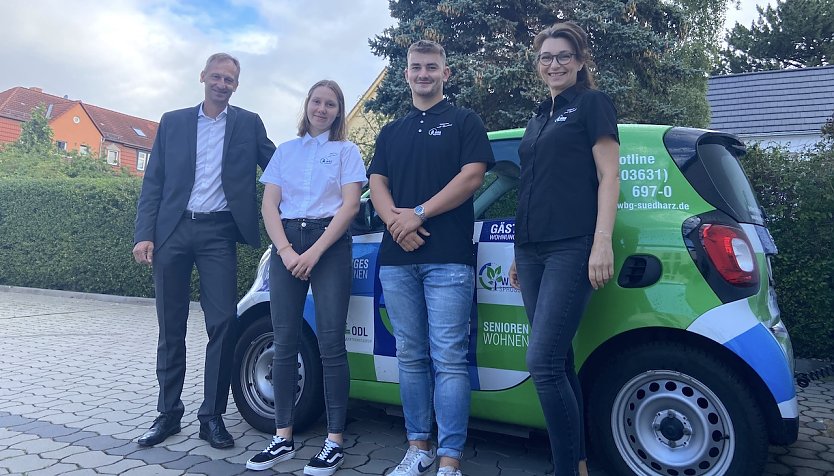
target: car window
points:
(498, 196)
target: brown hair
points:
(338, 130)
(427, 47)
(577, 37)
(217, 57)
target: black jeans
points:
(331, 281)
(556, 289)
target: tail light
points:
(731, 253)
(724, 254)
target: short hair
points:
(217, 57)
(338, 130)
(427, 47)
(577, 37)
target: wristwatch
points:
(420, 212)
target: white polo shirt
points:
(311, 172)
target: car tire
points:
(252, 378)
(673, 409)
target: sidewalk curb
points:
(139, 301)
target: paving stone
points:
(19, 438)
(39, 445)
(25, 463)
(103, 398)
(84, 472)
(807, 462)
(64, 452)
(221, 468)
(120, 466)
(9, 421)
(157, 455)
(186, 462)
(63, 418)
(810, 472)
(77, 435)
(92, 459)
(10, 453)
(214, 453)
(54, 470)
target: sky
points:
(144, 57)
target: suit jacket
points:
(169, 175)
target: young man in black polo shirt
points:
(426, 167)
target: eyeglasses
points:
(546, 59)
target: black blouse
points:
(558, 190)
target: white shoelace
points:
(277, 442)
(328, 447)
(408, 460)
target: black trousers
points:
(209, 242)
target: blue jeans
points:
(556, 289)
(331, 280)
(429, 306)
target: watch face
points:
(419, 210)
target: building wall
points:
(128, 156)
(76, 128)
(9, 130)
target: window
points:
(61, 145)
(139, 132)
(112, 156)
(142, 160)
(84, 149)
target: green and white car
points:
(686, 366)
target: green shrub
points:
(77, 235)
(797, 193)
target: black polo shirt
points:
(558, 192)
(420, 154)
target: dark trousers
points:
(556, 289)
(210, 243)
(331, 280)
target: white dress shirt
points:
(311, 172)
(207, 193)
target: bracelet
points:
(288, 245)
(603, 233)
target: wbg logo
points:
(492, 278)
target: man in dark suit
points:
(197, 202)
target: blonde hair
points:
(338, 130)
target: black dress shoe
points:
(163, 427)
(214, 431)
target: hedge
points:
(797, 193)
(77, 235)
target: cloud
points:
(143, 57)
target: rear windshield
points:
(729, 180)
(709, 161)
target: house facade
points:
(120, 139)
(785, 107)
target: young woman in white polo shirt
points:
(312, 193)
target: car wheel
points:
(672, 409)
(252, 378)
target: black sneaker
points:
(327, 461)
(279, 450)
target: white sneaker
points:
(415, 462)
(449, 471)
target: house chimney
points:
(37, 90)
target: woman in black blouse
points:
(567, 203)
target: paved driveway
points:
(77, 387)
